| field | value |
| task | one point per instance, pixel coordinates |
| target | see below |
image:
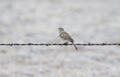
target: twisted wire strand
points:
(54, 44)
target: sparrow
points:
(66, 37)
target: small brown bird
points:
(65, 36)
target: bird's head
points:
(60, 29)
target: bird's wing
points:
(66, 36)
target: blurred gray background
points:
(37, 21)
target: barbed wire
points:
(46, 44)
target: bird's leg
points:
(65, 43)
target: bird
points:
(66, 37)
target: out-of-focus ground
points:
(36, 21)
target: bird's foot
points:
(66, 43)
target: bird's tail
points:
(74, 46)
